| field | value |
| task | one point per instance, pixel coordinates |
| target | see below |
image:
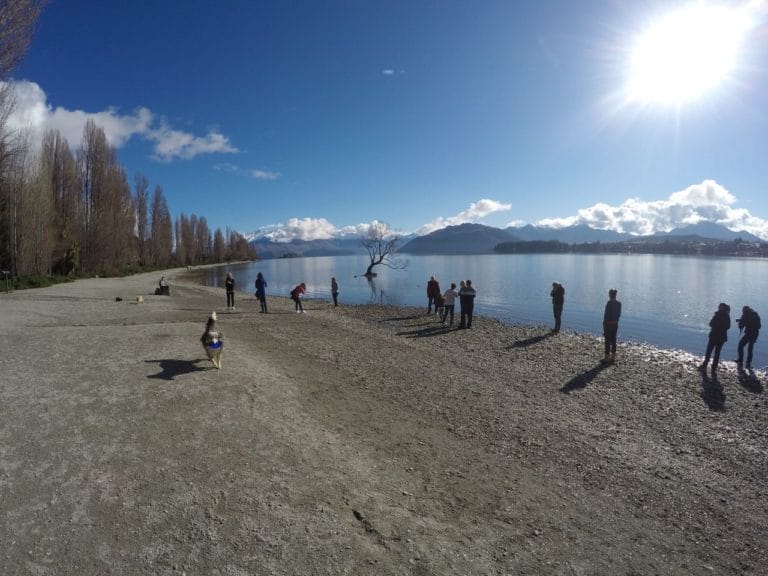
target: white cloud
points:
(476, 211)
(263, 174)
(32, 112)
(255, 173)
(708, 201)
(388, 72)
(299, 229)
(316, 229)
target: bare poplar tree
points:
(203, 241)
(59, 174)
(141, 199)
(219, 246)
(162, 230)
(17, 23)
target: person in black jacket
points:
(229, 285)
(467, 303)
(611, 324)
(750, 324)
(558, 300)
(718, 335)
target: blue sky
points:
(316, 118)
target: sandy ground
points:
(360, 440)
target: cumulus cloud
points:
(255, 173)
(263, 174)
(317, 229)
(33, 113)
(476, 211)
(708, 201)
(299, 229)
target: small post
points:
(7, 273)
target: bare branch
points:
(381, 246)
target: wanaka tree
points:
(381, 245)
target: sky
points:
(315, 118)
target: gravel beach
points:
(361, 440)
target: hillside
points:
(461, 239)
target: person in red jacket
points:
(433, 291)
(296, 297)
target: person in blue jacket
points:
(261, 291)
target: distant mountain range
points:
(481, 239)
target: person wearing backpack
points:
(749, 323)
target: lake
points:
(667, 301)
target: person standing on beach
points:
(261, 291)
(611, 324)
(718, 335)
(433, 291)
(449, 303)
(467, 303)
(296, 297)
(750, 324)
(335, 291)
(229, 285)
(558, 300)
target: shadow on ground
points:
(749, 381)
(431, 330)
(712, 392)
(530, 341)
(170, 368)
(581, 380)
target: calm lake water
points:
(667, 301)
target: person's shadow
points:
(749, 380)
(529, 341)
(712, 392)
(431, 330)
(170, 368)
(581, 380)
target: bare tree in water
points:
(381, 245)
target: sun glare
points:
(687, 53)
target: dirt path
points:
(361, 440)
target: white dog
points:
(212, 341)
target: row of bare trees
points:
(65, 211)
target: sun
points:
(687, 53)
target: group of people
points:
(445, 303)
(261, 293)
(749, 326)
